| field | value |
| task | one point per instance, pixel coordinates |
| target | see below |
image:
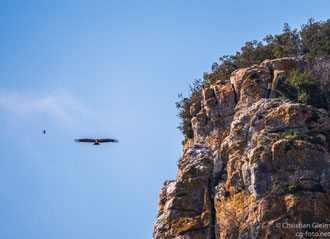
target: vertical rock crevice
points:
(213, 213)
(271, 72)
(235, 94)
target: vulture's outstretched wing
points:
(84, 140)
(108, 140)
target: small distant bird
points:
(44, 131)
(96, 141)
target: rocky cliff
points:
(257, 167)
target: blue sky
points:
(107, 69)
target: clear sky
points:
(107, 69)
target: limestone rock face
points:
(256, 166)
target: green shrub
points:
(290, 135)
(315, 38)
(306, 87)
(184, 104)
(312, 40)
(292, 188)
(283, 90)
(161, 212)
(257, 154)
(311, 87)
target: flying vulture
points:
(96, 141)
(44, 131)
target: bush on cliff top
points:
(313, 40)
(184, 104)
(311, 87)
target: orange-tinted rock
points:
(256, 167)
(284, 64)
(226, 97)
(236, 79)
(254, 86)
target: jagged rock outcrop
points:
(255, 164)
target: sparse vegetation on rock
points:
(309, 86)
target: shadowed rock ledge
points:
(255, 162)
